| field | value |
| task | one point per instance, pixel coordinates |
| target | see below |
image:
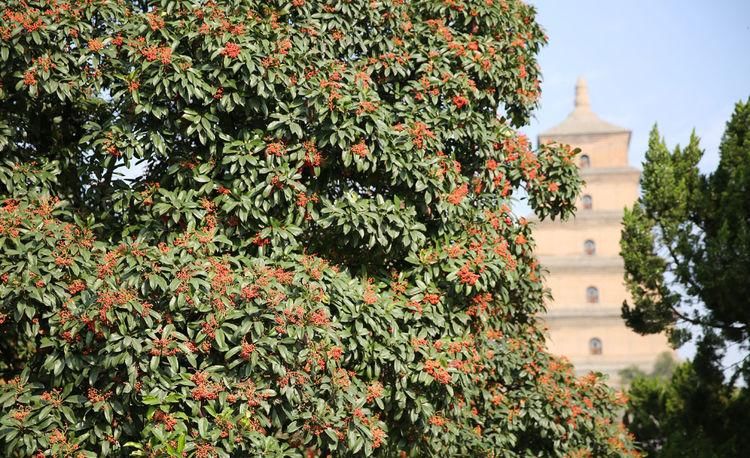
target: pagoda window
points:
(585, 161)
(586, 202)
(592, 295)
(589, 247)
(595, 346)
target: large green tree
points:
(686, 246)
(269, 228)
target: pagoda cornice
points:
(584, 218)
(582, 263)
(587, 311)
(607, 173)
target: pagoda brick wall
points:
(574, 319)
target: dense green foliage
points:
(693, 410)
(273, 228)
(686, 245)
(664, 367)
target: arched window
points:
(592, 295)
(586, 202)
(595, 346)
(589, 247)
(585, 161)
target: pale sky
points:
(682, 64)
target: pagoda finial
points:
(582, 95)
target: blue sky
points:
(681, 64)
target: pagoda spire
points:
(582, 95)
(582, 120)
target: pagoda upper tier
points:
(605, 145)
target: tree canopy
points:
(664, 367)
(686, 246)
(279, 228)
